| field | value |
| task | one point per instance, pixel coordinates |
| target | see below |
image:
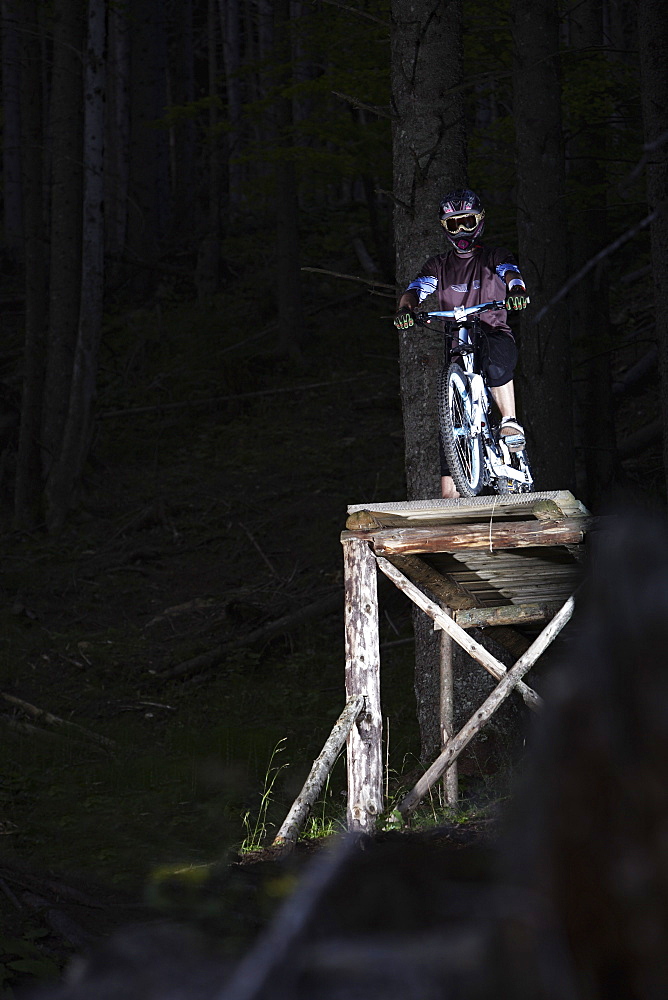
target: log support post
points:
(364, 744)
(446, 708)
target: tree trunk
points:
(288, 275)
(429, 158)
(28, 489)
(544, 365)
(117, 125)
(184, 188)
(11, 129)
(590, 313)
(264, 128)
(66, 186)
(230, 19)
(215, 196)
(148, 202)
(653, 39)
(66, 471)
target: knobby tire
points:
(464, 453)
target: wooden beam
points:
(364, 757)
(512, 678)
(286, 837)
(449, 593)
(453, 595)
(491, 535)
(447, 713)
(508, 614)
(473, 648)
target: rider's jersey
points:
(469, 280)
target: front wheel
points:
(463, 450)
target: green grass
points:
(255, 823)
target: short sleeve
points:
(426, 281)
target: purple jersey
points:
(469, 280)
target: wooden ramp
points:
(509, 564)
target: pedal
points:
(514, 442)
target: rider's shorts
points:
(498, 352)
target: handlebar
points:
(460, 313)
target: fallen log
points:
(49, 719)
(206, 661)
(286, 837)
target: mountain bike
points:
(477, 455)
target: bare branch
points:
(210, 400)
(576, 278)
(348, 277)
(648, 148)
(382, 110)
(360, 13)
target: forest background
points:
(209, 208)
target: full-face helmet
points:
(463, 218)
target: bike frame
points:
(497, 456)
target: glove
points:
(404, 318)
(517, 298)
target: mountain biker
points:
(465, 275)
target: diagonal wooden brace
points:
(444, 621)
(455, 746)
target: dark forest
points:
(210, 210)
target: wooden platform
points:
(394, 513)
(492, 562)
(525, 550)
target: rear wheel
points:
(462, 450)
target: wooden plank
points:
(286, 837)
(449, 593)
(512, 679)
(397, 513)
(521, 576)
(473, 648)
(510, 614)
(362, 648)
(490, 536)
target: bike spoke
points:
(461, 420)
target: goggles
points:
(466, 222)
